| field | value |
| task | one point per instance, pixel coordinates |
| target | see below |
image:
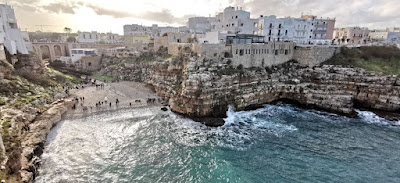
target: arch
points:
(57, 51)
(45, 52)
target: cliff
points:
(25, 88)
(205, 87)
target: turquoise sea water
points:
(278, 143)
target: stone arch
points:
(57, 51)
(45, 52)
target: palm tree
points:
(67, 30)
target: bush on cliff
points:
(384, 59)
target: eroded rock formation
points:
(204, 88)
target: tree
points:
(67, 30)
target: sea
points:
(276, 143)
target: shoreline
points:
(33, 141)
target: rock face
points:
(202, 87)
(33, 141)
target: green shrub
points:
(2, 102)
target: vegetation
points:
(380, 59)
(230, 70)
(2, 102)
(103, 78)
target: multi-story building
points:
(10, 34)
(323, 28)
(89, 37)
(377, 35)
(95, 37)
(351, 36)
(286, 29)
(200, 25)
(153, 31)
(235, 21)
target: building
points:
(100, 38)
(77, 54)
(323, 29)
(153, 31)
(351, 36)
(234, 21)
(200, 25)
(10, 35)
(378, 36)
(213, 37)
(393, 38)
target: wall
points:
(160, 42)
(311, 56)
(262, 55)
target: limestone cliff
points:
(205, 87)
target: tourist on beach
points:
(110, 104)
(130, 104)
(105, 99)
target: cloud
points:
(60, 8)
(164, 16)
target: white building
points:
(77, 54)
(95, 37)
(10, 34)
(235, 21)
(153, 31)
(200, 25)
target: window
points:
(236, 17)
(276, 52)
(80, 51)
(280, 25)
(74, 52)
(84, 36)
(241, 24)
(241, 52)
(286, 33)
(236, 51)
(286, 52)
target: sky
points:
(111, 15)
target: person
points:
(110, 104)
(105, 99)
(130, 104)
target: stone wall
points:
(311, 55)
(262, 55)
(160, 42)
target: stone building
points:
(253, 51)
(351, 36)
(11, 36)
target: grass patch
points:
(103, 78)
(2, 101)
(382, 59)
(6, 126)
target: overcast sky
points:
(111, 15)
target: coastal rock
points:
(197, 91)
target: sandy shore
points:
(126, 92)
